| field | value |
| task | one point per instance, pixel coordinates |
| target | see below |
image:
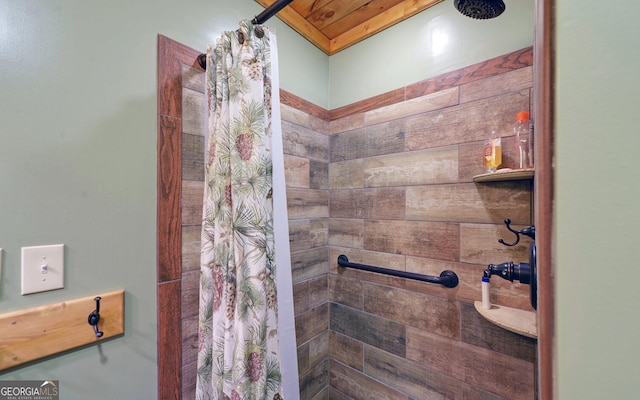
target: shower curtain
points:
(239, 353)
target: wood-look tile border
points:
(171, 57)
(499, 65)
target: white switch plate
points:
(42, 268)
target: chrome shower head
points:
(480, 9)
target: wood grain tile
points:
(346, 291)
(494, 372)
(385, 138)
(192, 194)
(319, 232)
(319, 125)
(191, 245)
(169, 337)
(319, 348)
(190, 293)
(314, 381)
(304, 142)
(512, 81)
(193, 157)
(347, 146)
(469, 202)
(296, 171)
(189, 380)
(189, 340)
(416, 380)
(346, 350)
(303, 359)
(418, 238)
(345, 174)
(194, 112)
(368, 328)
(295, 116)
(421, 167)
(407, 108)
(322, 395)
(318, 175)
(495, 66)
(384, 99)
(169, 183)
(466, 122)
(301, 104)
(345, 124)
(312, 323)
(299, 237)
(193, 78)
(346, 232)
(309, 264)
(301, 297)
(430, 313)
(473, 393)
(382, 203)
(318, 291)
(356, 385)
(307, 203)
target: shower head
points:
(480, 9)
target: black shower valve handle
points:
(510, 271)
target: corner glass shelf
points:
(505, 174)
(512, 319)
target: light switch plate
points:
(42, 268)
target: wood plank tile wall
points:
(306, 148)
(402, 197)
(390, 185)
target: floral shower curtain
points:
(238, 353)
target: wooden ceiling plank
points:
(300, 25)
(367, 11)
(334, 11)
(306, 7)
(381, 21)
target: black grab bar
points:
(447, 278)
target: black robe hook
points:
(94, 317)
(530, 231)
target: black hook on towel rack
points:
(447, 278)
(94, 317)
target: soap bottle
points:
(492, 152)
(523, 129)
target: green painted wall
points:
(78, 160)
(428, 44)
(597, 210)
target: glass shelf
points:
(505, 174)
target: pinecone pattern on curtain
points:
(238, 350)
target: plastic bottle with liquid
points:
(523, 129)
(492, 152)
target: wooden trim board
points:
(34, 333)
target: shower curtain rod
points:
(257, 20)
